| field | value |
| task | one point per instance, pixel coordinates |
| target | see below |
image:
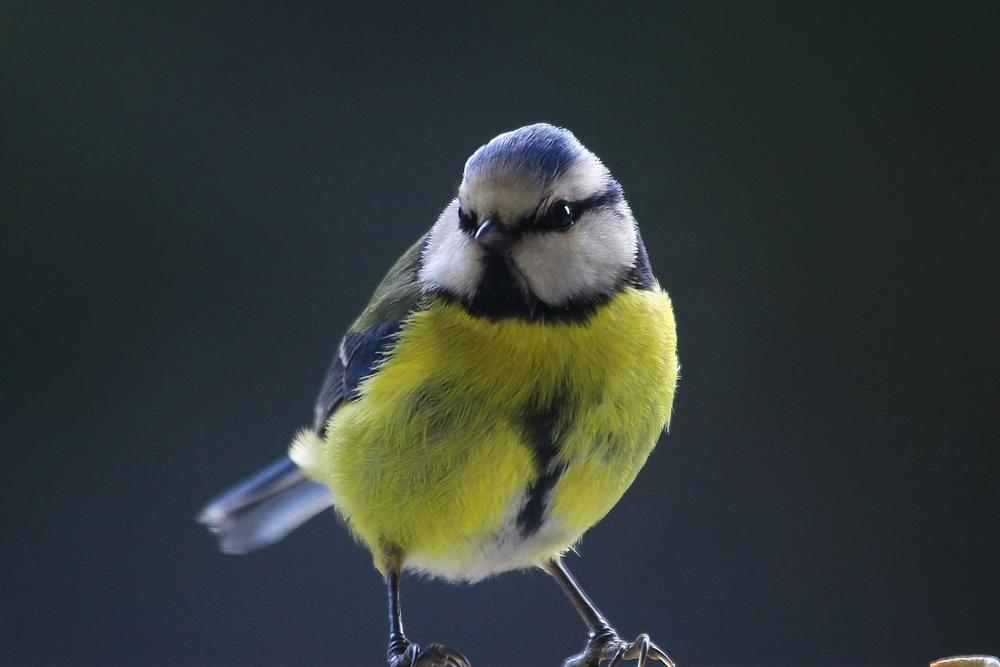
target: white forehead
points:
(517, 171)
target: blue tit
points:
(497, 396)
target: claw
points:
(435, 655)
(657, 653)
(619, 654)
(642, 641)
(608, 646)
(403, 655)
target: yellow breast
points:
(436, 456)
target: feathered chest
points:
(473, 428)
(452, 376)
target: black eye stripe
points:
(467, 221)
(544, 221)
(550, 219)
(600, 200)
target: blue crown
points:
(542, 150)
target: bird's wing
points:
(371, 335)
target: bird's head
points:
(539, 225)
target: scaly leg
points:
(604, 642)
(403, 653)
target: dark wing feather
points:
(264, 508)
(330, 396)
(360, 352)
(372, 335)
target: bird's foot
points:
(402, 653)
(607, 645)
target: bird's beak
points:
(492, 237)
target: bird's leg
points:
(399, 654)
(604, 642)
(403, 653)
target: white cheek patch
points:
(451, 260)
(587, 260)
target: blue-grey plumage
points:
(265, 507)
(499, 393)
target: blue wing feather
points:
(363, 351)
(360, 352)
(264, 508)
(372, 334)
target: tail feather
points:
(264, 508)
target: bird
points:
(500, 392)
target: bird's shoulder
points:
(370, 336)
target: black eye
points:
(467, 221)
(559, 217)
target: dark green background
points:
(196, 198)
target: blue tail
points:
(264, 508)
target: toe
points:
(403, 657)
(437, 655)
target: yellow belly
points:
(432, 462)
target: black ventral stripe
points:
(544, 429)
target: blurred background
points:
(196, 198)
